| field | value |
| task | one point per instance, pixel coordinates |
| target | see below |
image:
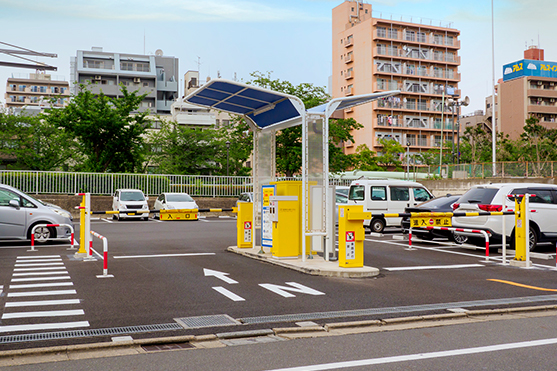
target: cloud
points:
(168, 10)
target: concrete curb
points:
(315, 267)
(13, 357)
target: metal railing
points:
(545, 169)
(54, 182)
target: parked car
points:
(495, 197)
(381, 196)
(435, 205)
(245, 197)
(19, 213)
(174, 201)
(130, 200)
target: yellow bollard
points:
(520, 230)
(82, 239)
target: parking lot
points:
(166, 273)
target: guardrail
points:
(104, 256)
(71, 238)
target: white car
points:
(494, 197)
(130, 200)
(174, 201)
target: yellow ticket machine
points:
(351, 235)
(244, 225)
(285, 215)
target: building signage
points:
(527, 67)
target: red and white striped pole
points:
(410, 239)
(105, 255)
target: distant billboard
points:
(527, 67)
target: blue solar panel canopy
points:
(349, 102)
(264, 108)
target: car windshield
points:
(479, 196)
(357, 193)
(180, 197)
(440, 202)
(132, 196)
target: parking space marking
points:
(455, 266)
(163, 255)
(229, 294)
(521, 285)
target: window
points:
(357, 193)
(400, 194)
(126, 66)
(421, 194)
(22, 87)
(378, 194)
(381, 32)
(410, 35)
(421, 37)
(392, 33)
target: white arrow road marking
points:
(219, 275)
(229, 294)
(283, 290)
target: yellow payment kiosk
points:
(285, 215)
(244, 225)
(351, 234)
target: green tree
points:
(29, 143)
(365, 159)
(241, 145)
(109, 131)
(390, 154)
(475, 145)
(181, 149)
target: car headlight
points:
(63, 213)
(123, 207)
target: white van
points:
(380, 196)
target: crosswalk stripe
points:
(47, 313)
(41, 293)
(14, 304)
(39, 273)
(35, 269)
(41, 278)
(39, 260)
(38, 264)
(44, 326)
(33, 285)
(40, 256)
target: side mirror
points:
(14, 203)
(146, 198)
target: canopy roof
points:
(265, 108)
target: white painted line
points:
(107, 220)
(34, 285)
(44, 326)
(162, 255)
(455, 266)
(38, 257)
(47, 313)
(14, 304)
(41, 293)
(41, 279)
(38, 264)
(40, 273)
(219, 275)
(203, 220)
(39, 260)
(36, 269)
(421, 356)
(229, 294)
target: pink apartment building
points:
(372, 54)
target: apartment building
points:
(372, 54)
(36, 89)
(154, 75)
(528, 89)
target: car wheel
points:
(460, 239)
(145, 218)
(42, 234)
(114, 217)
(377, 225)
(533, 239)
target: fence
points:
(50, 182)
(545, 169)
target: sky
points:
(291, 39)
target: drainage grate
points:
(388, 310)
(207, 321)
(89, 332)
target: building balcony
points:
(428, 40)
(424, 55)
(163, 105)
(349, 91)
(542, 108)
(542, 93)
(167, 86)
(203, 119)
(349, 75)
(349, 58)
(349, 42)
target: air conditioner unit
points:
(540, 99)
(540, 82)
(98, 77)
(552, 100)
(136, 79)
(551, 84)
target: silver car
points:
(19, 213)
